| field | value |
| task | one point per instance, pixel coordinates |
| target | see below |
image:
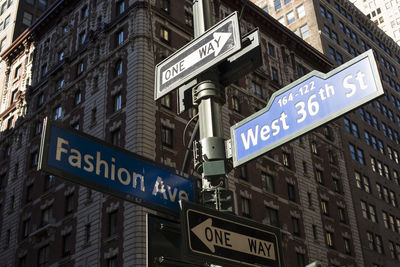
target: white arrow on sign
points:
(213, 236)
(215, 45)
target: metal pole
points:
(209, 96)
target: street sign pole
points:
(209, 157)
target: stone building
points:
(370, 134)
(90, 65)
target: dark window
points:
(325, 207)
(188, 19)
(25, 227)
(87, 233)
(268, 182)
(66, 245)
(117, 102)
(118, 68)
(245, 207)
(167, 136)
(78, 97)
(286, 159)
(84, 12)
(46, 215)
(116, 137)
(275, 75)
(342, 214)
(243, 172)
(291, 192)
(296, 226)
(48, 182)
(165, 34)
(29, 192)
(272, 217)
(43, 256)
(69, 204)
(329, 239)
(119, 36)
(112, 223)
(120, 7)
(165, 5)
(235, 104)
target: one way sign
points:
(229, 240)
(218, 43)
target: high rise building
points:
(89, 65)
(385, 14)
(370, 135)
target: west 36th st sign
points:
(219, 42)
(304, 105)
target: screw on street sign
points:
(216, 44)
(86, 160)
(229, 240)
(304, 105)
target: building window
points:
(291, 192)
(66, 245)
(271, 50)
(324, 207)
(319, 176)
(329, 239)
(69, 204)
(46, 215)
(42, 4)
(379, 244)
(38, 127)
(29, 192)
(275, 75)
(304, 31)
(112, 262)
(300, 11)
(167, 136)
(286, 159)
(78, 97)
(2, 43)
(314, 148)
(342, 215)
(6, 21)
(272, 217)
(296, 226)
(48, 182)
(166, 101)
(165, 34)
(116, 137)
(290, 17)
(235, 104)
(117, 102)
(34, 159)
(57, 112)
(188, 19)
(82, 37)
(43, 256)
(80, 68)
(347, 247)
(245, 207)
(257, 91)
(87, 233)
(243, 172)
(118, 68)
(120, 37)
(267, 182)
(112, 223)
(60, 83)
(165, 5)
(277, 5)
(120, 7)
(84, 12)
(40, 99)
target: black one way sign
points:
(229, 240)
(216, 44)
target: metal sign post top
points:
(213, 46)
(306, 104)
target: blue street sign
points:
(304, 105)
(89, 161)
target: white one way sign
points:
(219, 42)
